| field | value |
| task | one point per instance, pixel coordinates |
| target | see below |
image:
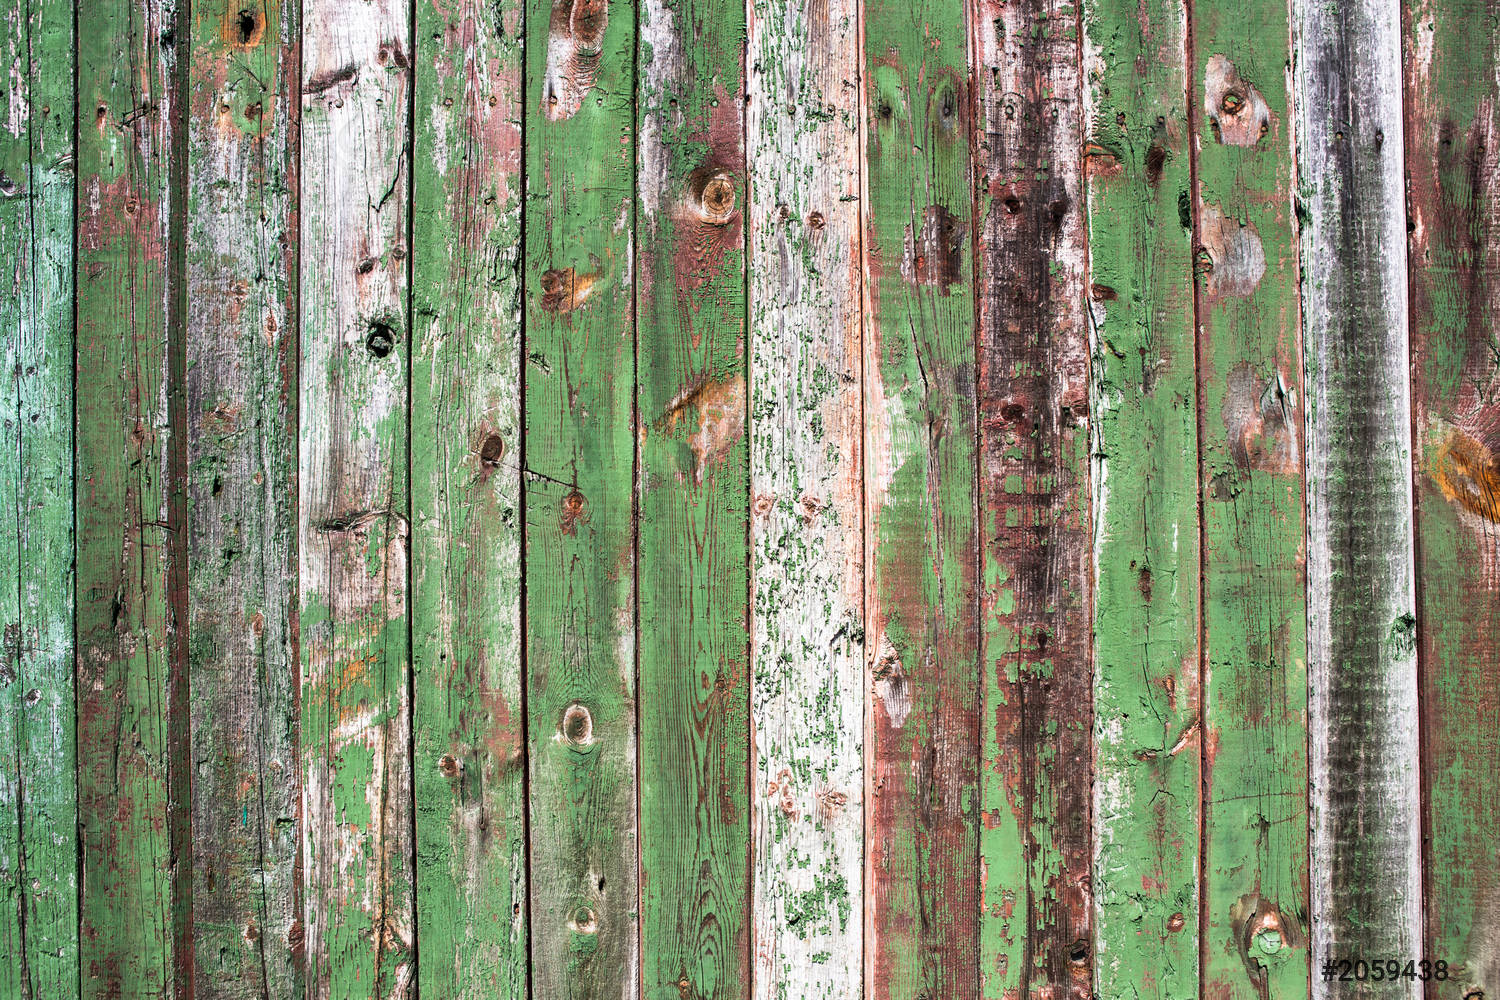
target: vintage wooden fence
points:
(750, 499)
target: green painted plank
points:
(1451, 50)
(692, 495)
(242, 466)
(131, 542)
(807, 559)
(1250, 419)
(1146, 532)
(580, 535)
(921, 492)
(38, 797)
(468, 764)
(1362, 668)
(1036, 833)
(357, 837)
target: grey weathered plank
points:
(357, 851)
(242, 536)
(1366, 825)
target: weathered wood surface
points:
(357, 935)
(692, 482)
(580, 516)
(242, 501)
(130, 440)
(1362, 701)
(700, 499)
(1036, 834)
(807, 609)
(921, 532)
(1450, 51)
(468, 762)
(38, 834)
(1250, 422)
(1145, 474)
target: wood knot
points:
(573, 511)
(380, 339)
(584, 921)
(577, 725)
(448, 765)
(491, 451)
(815, 220)
(1176, 923)
(243, 28)
(762, 505)
(1263, 935)
(713, 196)
(811, 507)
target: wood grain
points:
(1362, 705)
(692, 484)
(39, 832)
(807, 554)
(580, 490)
(921, 529)
(1036, 909)
(1250, 424)
(242, 535)
(1145, 480)
(353, 522)
(131, 530)
(468, 764)
(1449, 55)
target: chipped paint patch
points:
(574, 44)
(1237, 113)
(891, 687)
(720, 410)
(935, 253)
(1234, 260)
(1260, 418)
(564, 290)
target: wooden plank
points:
(692, 494)
(1250, 424)
(131, 542)
(39, 835)
(1146, 532)
(580, 529)
(807, 556)
(1036, 834)
(1362, 705)
(468, 763)
(921, 529)
(242, 550)
(353, 484)
(1451, 50)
